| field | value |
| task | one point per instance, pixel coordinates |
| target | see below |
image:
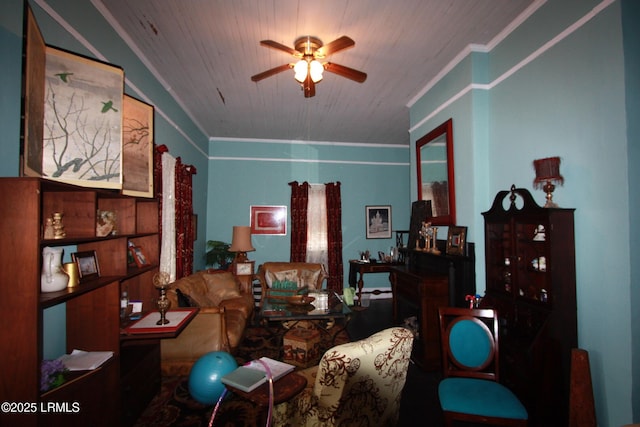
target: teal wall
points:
(631, 43)
(11, 76)
(250, 172)
(565, 83)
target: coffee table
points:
(283, 389)
(278, 310)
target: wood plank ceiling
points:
(205, 52)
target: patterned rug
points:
(173, 406)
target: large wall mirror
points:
(434, 160)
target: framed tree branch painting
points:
(82, 142)
(137, 147)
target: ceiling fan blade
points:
(270, 72)
(309, 87)
(336, 45)
(347, 72)
(278, 46)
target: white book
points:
(252, 375)
(80, 360)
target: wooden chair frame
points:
(487, 319)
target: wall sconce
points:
(547, 174)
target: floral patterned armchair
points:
(356, 384)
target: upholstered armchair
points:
(471, 389)
(225, 311)
(356, 384)
(280, 279)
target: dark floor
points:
(420, 404)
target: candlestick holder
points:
(161, 282)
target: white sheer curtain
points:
(168, 244)
(317, 244)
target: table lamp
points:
(547, 174)
(241, 244)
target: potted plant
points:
(218, 254)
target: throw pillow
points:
(282, 276)
(221, 287)
(309, 278)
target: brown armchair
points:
(280, 279)
(219, 325)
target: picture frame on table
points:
(378, 221)
(268, 220)
(456, 240)
(139, 257)
(88, 267)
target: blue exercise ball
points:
(204, 379)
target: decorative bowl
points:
(300, 300)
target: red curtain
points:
(184, 219)
(299, 203)
(334, 237)
(299, 199)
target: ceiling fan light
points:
(315, 70)
(300, 70)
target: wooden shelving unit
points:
(92, 308)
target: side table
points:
(360, 268)
(284, 389)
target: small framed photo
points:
(139, 257)
(378, 222)
(87, 262)
(269, 220)
(456, 240)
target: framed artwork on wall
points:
(378, 221)
(82, 141)
(137, 147)
(269, 220)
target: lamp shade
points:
(300, 70)
(315, 70)
(241, 240)
(547, 169)
(305, 67)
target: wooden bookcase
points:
(531, 281)
(92, 308)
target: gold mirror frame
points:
(435, 173)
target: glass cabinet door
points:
(532, 261)
(499, 257)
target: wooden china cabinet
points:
(531, 281)
(92, 308)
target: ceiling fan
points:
(308, 68)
